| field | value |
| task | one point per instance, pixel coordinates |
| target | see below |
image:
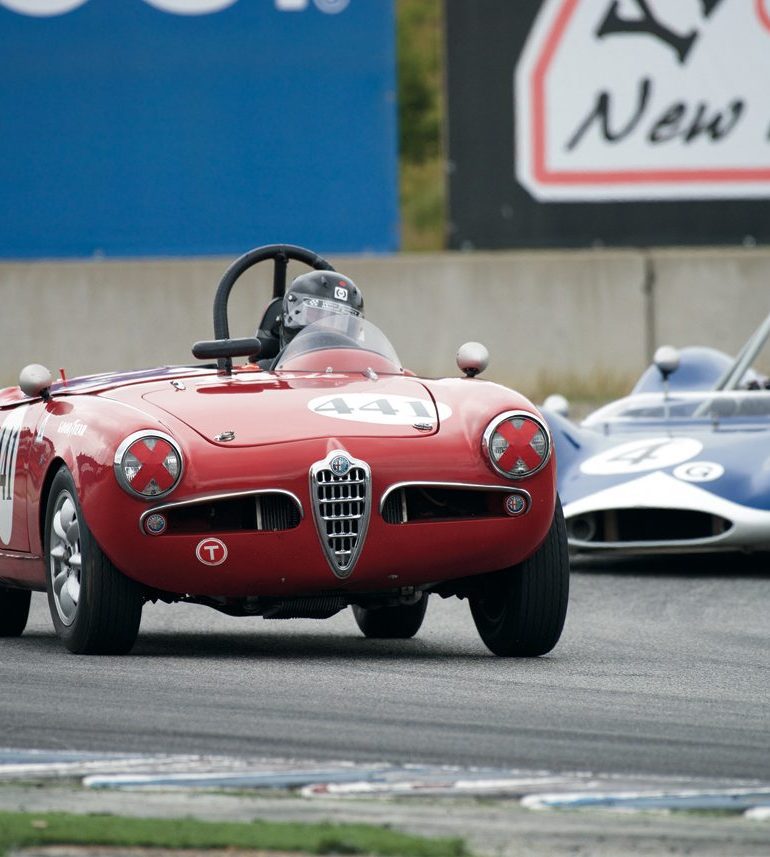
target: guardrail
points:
(584, 322)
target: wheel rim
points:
(65, 557)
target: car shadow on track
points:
(734, 565)
(300, 647)
(267, 644)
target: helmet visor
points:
(307, 309)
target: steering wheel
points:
(281, 254)
(224, 348)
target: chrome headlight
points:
(517, 444)
(148, 464)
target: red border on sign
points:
(546, 176)
(763, 14)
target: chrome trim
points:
(229, 495)
(504, 489)
(492, 427)
(341, 559)
(121, 451)
(6, 554)
(703, 545)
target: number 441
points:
(342, 407)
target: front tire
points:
(14, 611)
(520, 612)
(391, 623)
(95, 609)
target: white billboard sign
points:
(645, 99)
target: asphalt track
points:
(662, 670)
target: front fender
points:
(571, 442)
(82, 434)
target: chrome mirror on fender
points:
(666, 358)
(472, 358)
(35, 380)
(558, 404)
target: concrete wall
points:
(585, 322)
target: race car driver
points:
(311, 297)
(314, 296)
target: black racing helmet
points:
(316, 295)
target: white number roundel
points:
(640, 455)
(382, 410)
(42, 8)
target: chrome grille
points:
(341, 507)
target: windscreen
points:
(359, 340)
(730, 406)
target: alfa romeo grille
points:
(341, 490)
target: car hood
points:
(617, 470)
(250, 411)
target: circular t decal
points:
(42, 8)
(211, 551)
(639, 455)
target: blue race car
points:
(680, 465)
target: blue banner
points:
(196, 127)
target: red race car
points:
(317, 475)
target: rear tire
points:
(14, 611)
(520, 612)
(391, 623)
(95, 609)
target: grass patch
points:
(422, 205)
(594, 389)
(420, 119)
(19, 829)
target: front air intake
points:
(260, 510)
(340, 488)
(637, 525)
